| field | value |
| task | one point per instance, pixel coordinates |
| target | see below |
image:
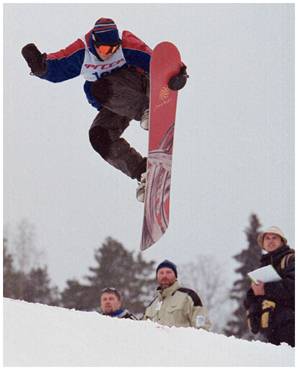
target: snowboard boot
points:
(145, 120)
(140, 193)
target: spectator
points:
(111, 304)
(271, 306)
(174, 305)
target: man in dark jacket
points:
(116, 71)
(271, 306)
(111, 304)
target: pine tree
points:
(37, 288)
(13, 279)
(77, 295)
(115, 267)
(250, 260)
(31, 286)
(9, 273)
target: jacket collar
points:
(275, 256)
(163, 293)
(115, 313)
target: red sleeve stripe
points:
(130, 41)
(68, 51)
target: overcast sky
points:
(234, 139)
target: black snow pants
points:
(124, 96)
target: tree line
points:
(115, 266)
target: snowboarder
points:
(116, 71)
(174, 305)
(271, 306)
(111, 304)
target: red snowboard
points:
(165, 63)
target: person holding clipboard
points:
(270, 304)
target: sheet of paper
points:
(265, 274)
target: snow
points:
(41, 335)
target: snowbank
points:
(40, 335)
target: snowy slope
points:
(40, 335)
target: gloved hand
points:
(178, 82)
(35, 60)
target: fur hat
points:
(169, 265)
(271, 230)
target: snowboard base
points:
(165, 63)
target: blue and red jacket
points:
(80, 58)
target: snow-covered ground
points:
(40, 335)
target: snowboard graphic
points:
(165, 63)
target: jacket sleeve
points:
(197, 314)
(253, 306)
(66, 63)
(149, 312)
(135, 51)
(284, 290)
(250, 299)
(199, 318)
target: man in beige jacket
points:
(174, 305)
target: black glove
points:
(178, 82)
(35, 60)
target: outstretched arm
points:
(55, 67)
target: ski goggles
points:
(105, 49)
